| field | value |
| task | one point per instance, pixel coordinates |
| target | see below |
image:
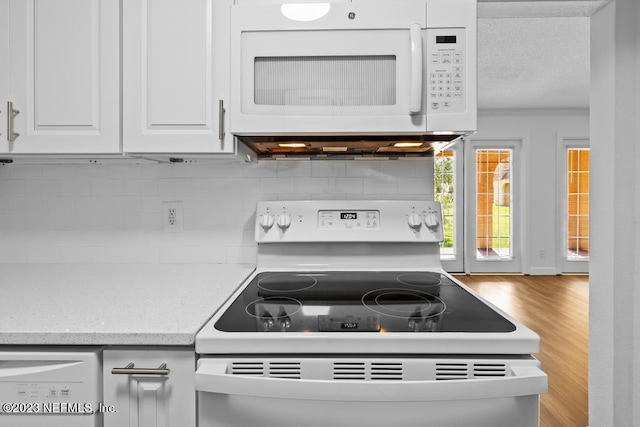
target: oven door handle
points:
(523, 381)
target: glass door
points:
(448, 190)
(574, 244)
(493, 240)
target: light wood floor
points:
(557, 309)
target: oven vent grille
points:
(452, 371)
(386, 371)
(247, 368)
(284, 370)
(375, 371)
(487, 370)
(462, 371)
(271, 369)
(349, 371)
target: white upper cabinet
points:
(4, 73)
(175, 76)
(60, 68)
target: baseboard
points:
(543, 271)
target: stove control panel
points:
(348, 221)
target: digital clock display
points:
(349, 220)
(445, 39)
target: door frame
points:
(517, 264)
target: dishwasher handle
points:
(523, 381)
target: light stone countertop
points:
(117, 304)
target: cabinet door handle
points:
(11, 113)
(130, 370)
(221, 112)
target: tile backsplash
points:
(112, 213)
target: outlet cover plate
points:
(172, 216)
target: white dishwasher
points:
(50, 386)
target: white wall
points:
(614, 332)
(112, 213)
(540, 132)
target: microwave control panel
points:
(446, 70)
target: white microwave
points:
(399, 69)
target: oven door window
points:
(325, 81)
(346, 72)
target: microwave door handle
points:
(523, 381)
(415, 94)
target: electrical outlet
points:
(542, 253)
(172, 216)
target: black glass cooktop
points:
(368, 301)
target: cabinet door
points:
(150, 400)
(4, 73)
(64, 63)
(175, 76)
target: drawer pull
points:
(131, 370)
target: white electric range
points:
(350, 315)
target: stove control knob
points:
(284, 221)
(284, 321)
(266, 222)
(415, 320)
(414, 222)
(267, 321)
(432, 221)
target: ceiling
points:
(534, 54)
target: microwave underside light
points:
(348, 146)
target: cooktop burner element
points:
(287, 282)
(358, 301)
(422, 311)
(402, 303)
(423, 279)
